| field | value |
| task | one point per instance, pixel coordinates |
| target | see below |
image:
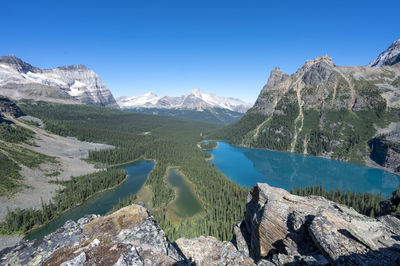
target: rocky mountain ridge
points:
(278, 229)
(388, 57)
(195, 100)
(324, 109)
(67, 84)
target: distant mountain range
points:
(79, 84)
(195, 100)
(196, 105)
(67, 84)
(341, 112)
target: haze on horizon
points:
(227, 48)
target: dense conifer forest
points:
(170, 142)
(75, 191)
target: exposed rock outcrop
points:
(8, 107)
(385, 153)
(285, 228)
(210, 251)
(129, 236)
(69, 84)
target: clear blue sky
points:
(170, 47)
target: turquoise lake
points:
(102, 202)
(286, 170)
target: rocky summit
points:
(278, 229)
(388, 57)
(327, 110)
(68, 84)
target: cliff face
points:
(279, 228)
(71, 84)
(385, 153)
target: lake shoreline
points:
(247, 166)
(136, 175)
(191, 186)
(368, 162)
(76, 206)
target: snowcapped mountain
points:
(145, 100)
(388, 57)
(68, 84)
(195, 100)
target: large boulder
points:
(210, 251)
(282, 228)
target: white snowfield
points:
(144, 100)
(196, 100)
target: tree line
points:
(74, 192)
(363, 202)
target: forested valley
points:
(171, 142)
(168, 141)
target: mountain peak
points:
(276, 76)
(8, 56)
(195, 100)
(396, 42)
(16, 63)
(150, 94)
(196, 92)
(388, 57)
(145, 100)
(66, 84)
(323, 58)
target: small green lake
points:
(186, 203)
(102, 202)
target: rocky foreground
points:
(278, 229)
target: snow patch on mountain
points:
(195, 100)
(388, 57)
(144, 100)
(75, 83)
